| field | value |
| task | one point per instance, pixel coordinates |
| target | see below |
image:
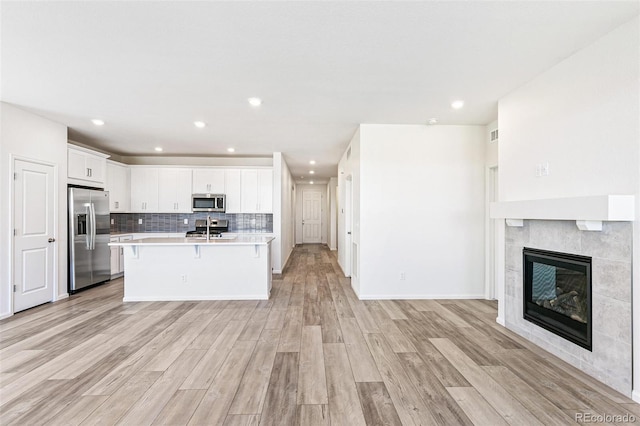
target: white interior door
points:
(311, 216)
(34, 242)
(347, 226)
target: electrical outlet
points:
(139, 221)
(186, 221)
(113, 221)
(402, 276)
(184, 278)
(538, 170)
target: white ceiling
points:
(150, 69)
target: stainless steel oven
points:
(208, 202)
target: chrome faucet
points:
(208, 226)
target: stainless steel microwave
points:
(208, 202)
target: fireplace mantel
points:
(586, 211)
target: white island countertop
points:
(240, 240)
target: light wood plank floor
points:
(313, 355)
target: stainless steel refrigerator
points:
(89, 229)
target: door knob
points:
(51, 240)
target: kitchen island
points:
(231, 268)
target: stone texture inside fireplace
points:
(611, 358)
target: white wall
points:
(494, 228)
(300, 188)
(29, 136)
(283, 213)
(583, 117)
(491, 148)
(426, 183)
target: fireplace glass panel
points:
(557, 293)
(561, 290)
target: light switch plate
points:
(545, 169)
(139, 221)
(113, 221)
(186, 221)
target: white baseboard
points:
(7, 315)
(635, 395)
(61, 296)
(276, 271)
(500, 320)
(420, 296)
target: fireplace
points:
(557, 293)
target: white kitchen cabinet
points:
(119, 187)
(257, 191)
(144, 190)
(86, 167)
(117, 255)
(265, 190)
(174, 190)
(208, 181)
(233, 190)
(249, 200)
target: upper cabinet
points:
(118, 185)
(257, 191)
(144, 190)
(209, 181)
(169, 189)
(86, 167)
(233, 190)
(174, 190)
(265, 190)
(249, 201)
(160, 190)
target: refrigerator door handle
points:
(93, 226)
(87, 225)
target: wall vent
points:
(494, 135)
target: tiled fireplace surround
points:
(611, 250)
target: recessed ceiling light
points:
(231, 150)
(97, 122)
(433, 121)
(457, 104)
(158, 148)
(311, 172)
(255, 102)
(311, 182)
(199, 124)
(312, 162)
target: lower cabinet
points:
(117, 255)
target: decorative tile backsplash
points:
(174, 222)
